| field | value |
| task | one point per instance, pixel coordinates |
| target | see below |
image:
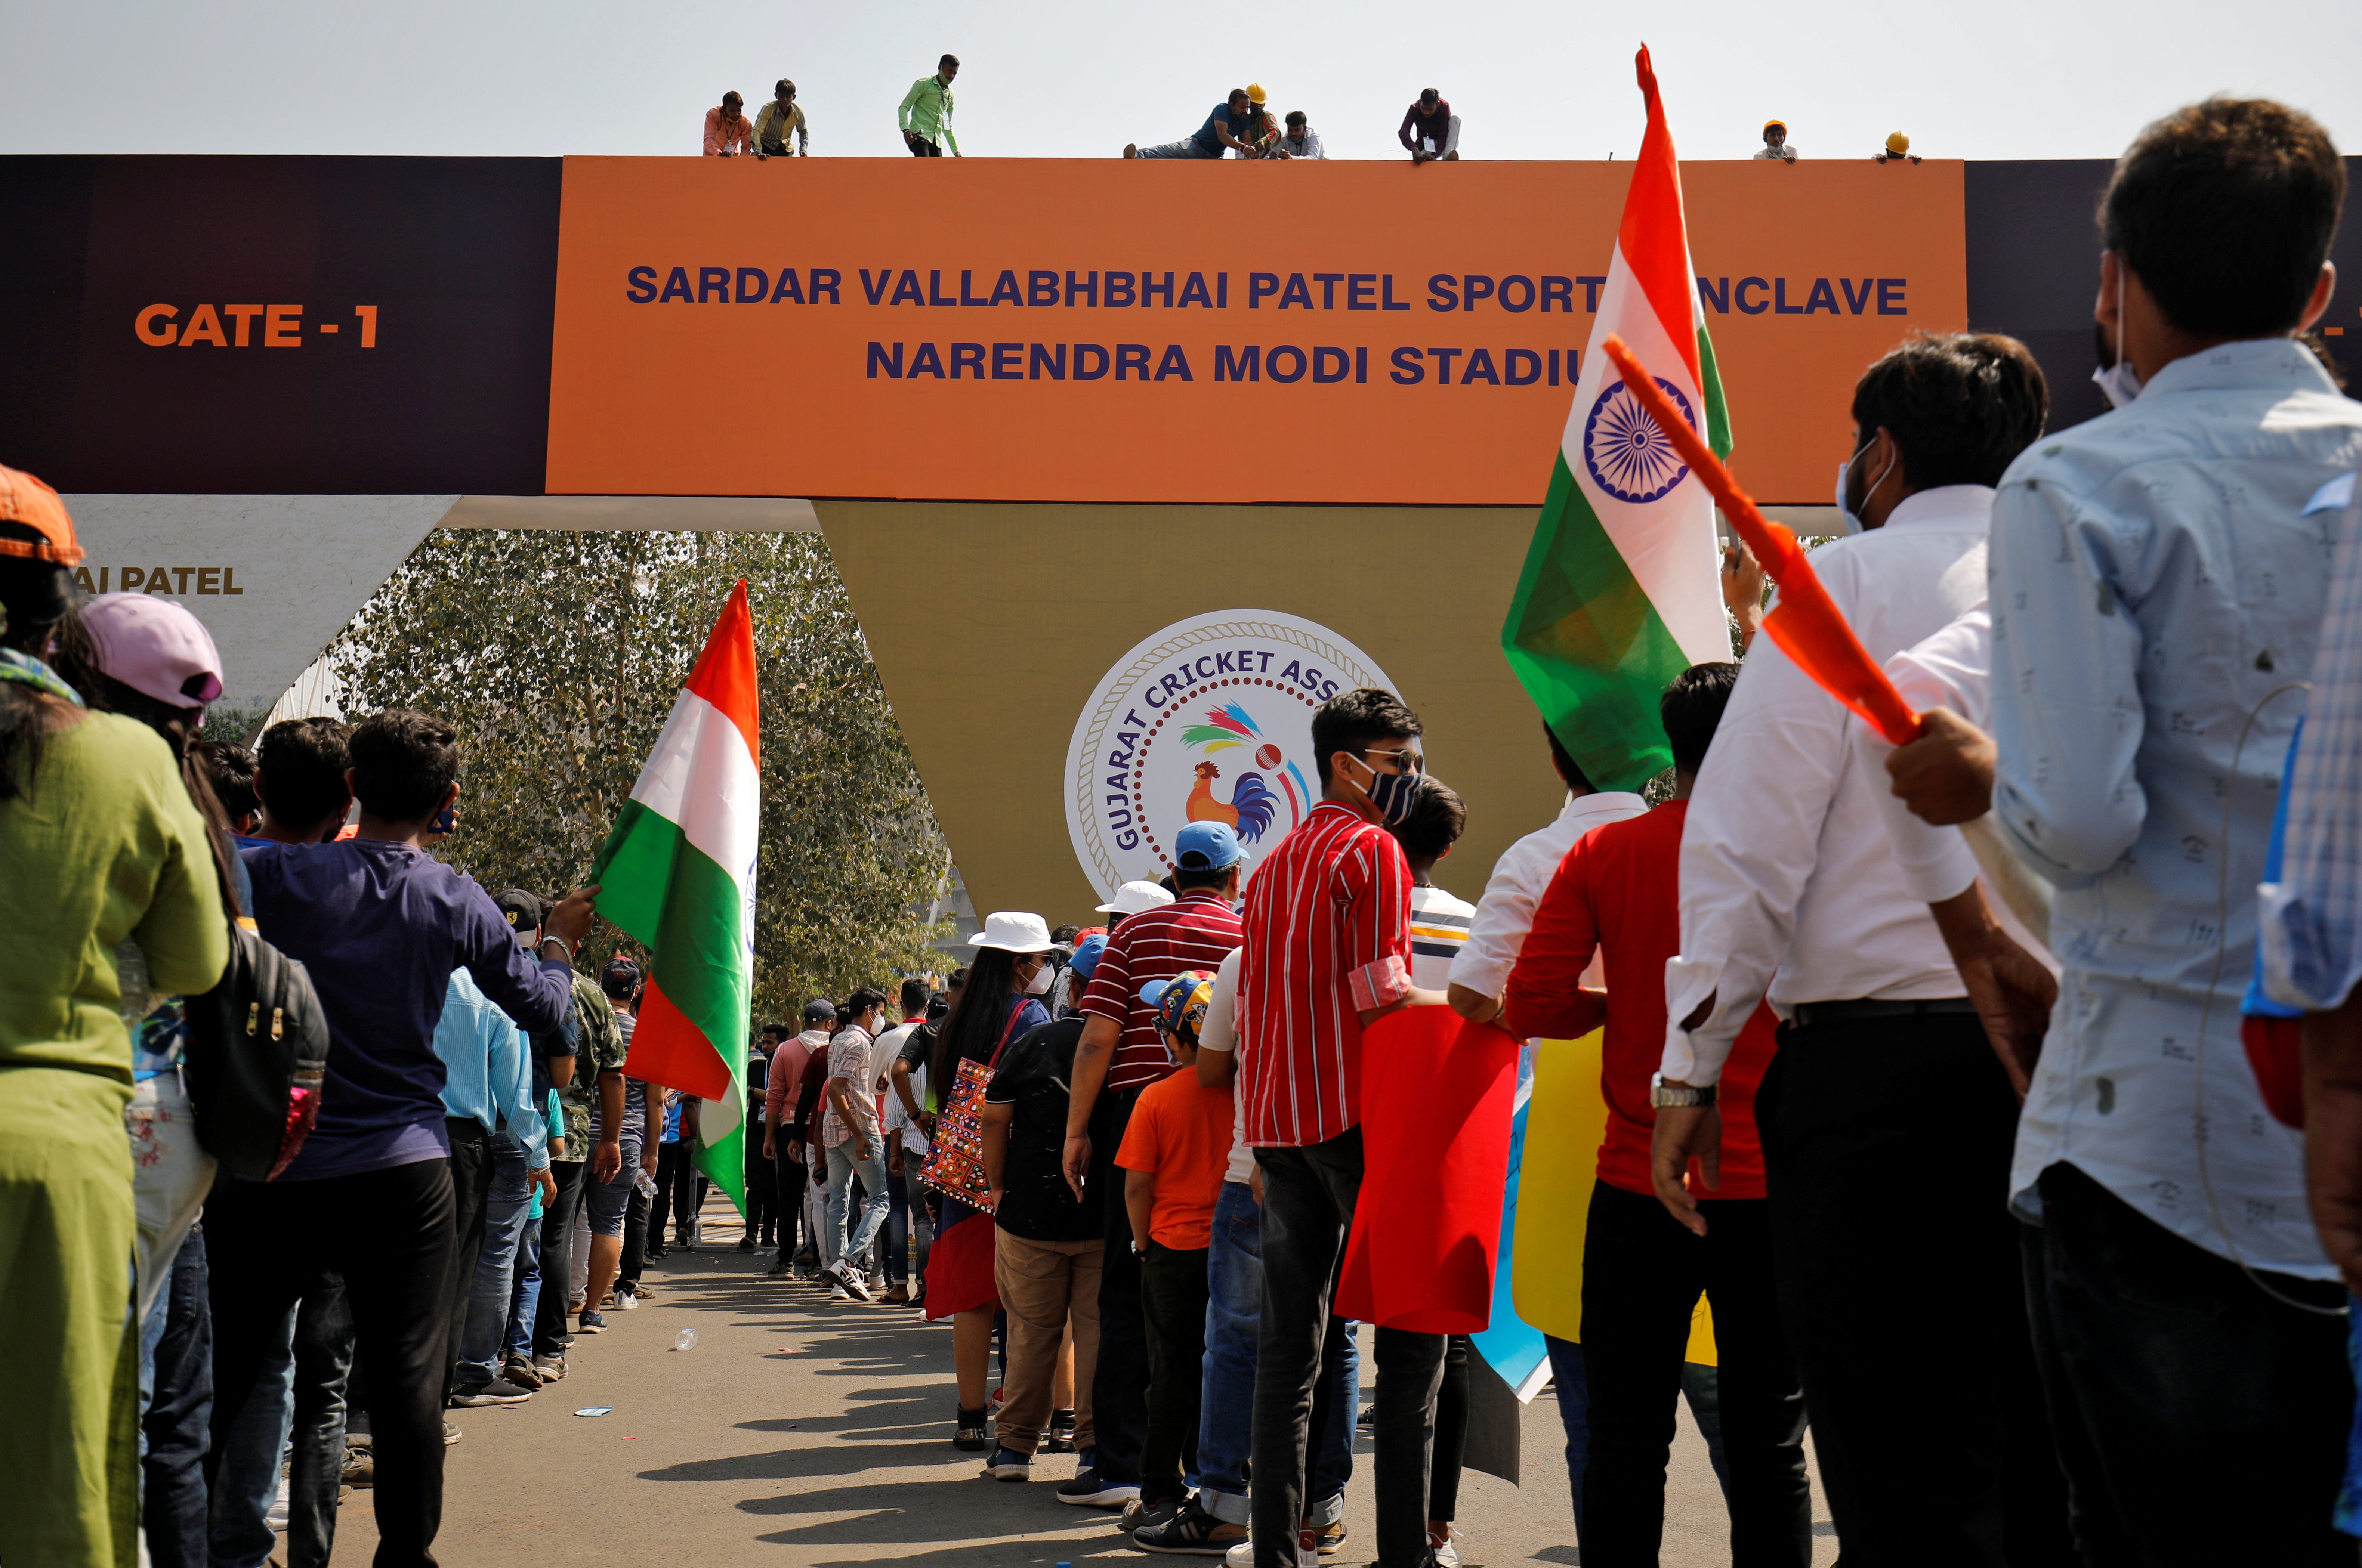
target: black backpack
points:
(258, 1047)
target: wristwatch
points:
(1665, 1096)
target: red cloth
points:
(1197, 930)
(2273, 1054)
(959, 1265)
(1619, 892)
(1180, 1134)
(1331, 898)
(1436, 1113)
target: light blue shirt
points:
(2155, 583)
(487, 1073)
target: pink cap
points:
(155, 647)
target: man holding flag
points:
(1887, 1122)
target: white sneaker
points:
(850, 1282)
(1447, 1555)
(277, 1518)
(838, 1293)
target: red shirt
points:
(1195, 931)
(1619, 890)
(1331, 899)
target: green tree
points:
(558, 656)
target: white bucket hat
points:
(1134, 896)
(1014, 931)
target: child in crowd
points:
(1172, 1157)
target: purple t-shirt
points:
(380, 926)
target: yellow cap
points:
(1898, 143)
(1254, 93)
(1775, 125)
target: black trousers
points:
(635, 1238)
(173, 1510)
(1307, 1210)
(2199, 1421)
(1642, 1275)
(1172, 1300)
(675, 1192)
(1451, 1448)
(1887, 1147)
(1119, 1377)
(557, 1256)
(389, 1234)
(471, 1192)
(789, 1177)
(762, 1188)
(323, 1360)
(925, 148)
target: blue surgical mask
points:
(2119, 383)
(1851, 519)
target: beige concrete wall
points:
(992, 622)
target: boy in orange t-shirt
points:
(1173, 1154)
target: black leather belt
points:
(1806, 1015)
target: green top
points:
(927, 112)
(107, 845)
(598, 1045)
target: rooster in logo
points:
(1251, 807)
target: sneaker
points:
(1322, 1539)
(1240, 1555)
(1007, 1464)
(652, 1251)
(852, 1283)
(519, 1371)
(550, 1367)
(838, 1293)
(359, 1467)
(1191, 1532)
(1139, 1514)
(1446, 1555)
(745, 1243)
(1060, 1438)
(276, 1516)
(451, 1434)
(594, 1322)
(1368, 1420)
(499, 1391)
(628, 1300)
(777, 1271)
(967, 1432)
(1087, 1491)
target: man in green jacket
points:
(926, 112)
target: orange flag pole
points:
(1806, 622)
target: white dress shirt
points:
(1497, 933)
(1787, 868)
(2156, 586)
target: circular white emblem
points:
(1629, 457)
(1209, 720)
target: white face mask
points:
(1853, 520)
(2119, 383)
(1039, 986)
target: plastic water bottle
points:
(645, 1182)
(685, 1341)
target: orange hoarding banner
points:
(1063, 330)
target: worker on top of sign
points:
(779, 120)
(727, 132)
(1896, 151)
(1229, 127)
(926, 112)
(1301, 140)
(1263, 131)
(1775, 142)
(1431, 130)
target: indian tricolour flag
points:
(678, 874)
(1621, 590)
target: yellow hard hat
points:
(1254, 93)
(1775, 125)
(1898, 144)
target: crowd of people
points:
(1917, 1060)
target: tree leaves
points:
(557, 656)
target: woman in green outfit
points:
(98, 842)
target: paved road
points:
(738, 1452)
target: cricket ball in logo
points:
(1628, 456)
(1209, 720)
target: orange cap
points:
(25, 500)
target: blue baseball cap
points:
(1206, 846)
(1086, 954)
(1180, 1003)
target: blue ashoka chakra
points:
(1629, 457)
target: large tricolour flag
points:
(677, 874)
(1621, 590)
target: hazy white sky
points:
(1058, 78)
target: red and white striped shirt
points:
(1197, 930)
(1329, 906)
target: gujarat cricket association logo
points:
(1209, 720)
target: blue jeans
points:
(1185, 148)
(525, 1291)
(176, 1402)
(841, 1169)
(245, 1482)
(1226, 1416)
(492, 1297)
